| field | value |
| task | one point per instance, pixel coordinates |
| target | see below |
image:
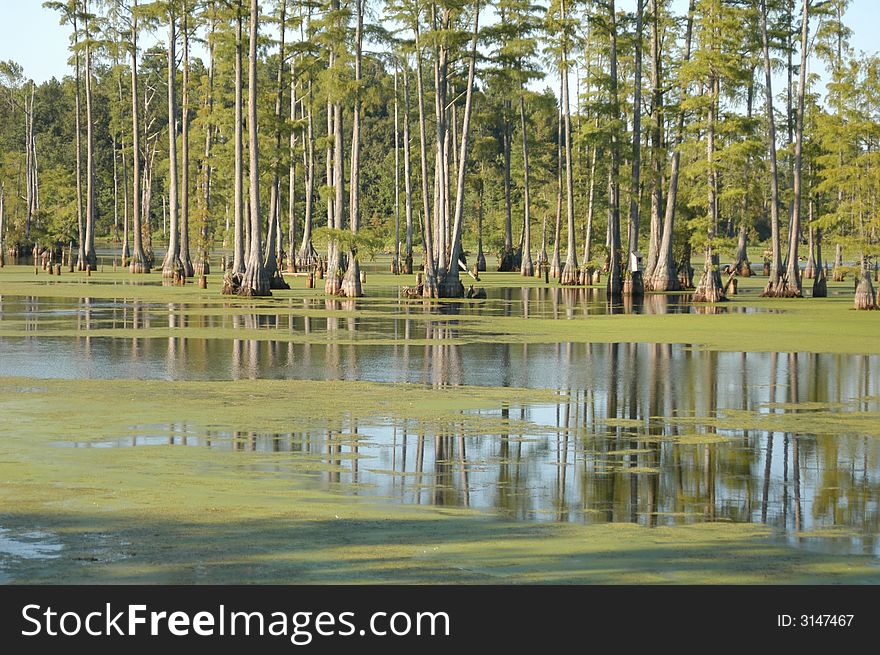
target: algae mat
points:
(195, 515)
(747, 323)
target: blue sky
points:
(31, 35)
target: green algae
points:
(195, 515)
(747, 323)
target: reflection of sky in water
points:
(545, 473)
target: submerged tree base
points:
(865, 298)
(781, 287)
(709, 288)
(634, 285)
(351, 282)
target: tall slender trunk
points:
(407, 175)
(114, 148)
(709, 289)
(31, 168)
(481, 256)
(125, 252)
(90, 257)
(634, 284)
(570, 271)
(80, 224)
(271, 261)
(185, 258)
(527, 268)
(792, 280)
(774, 283)
(2, 217)
(452, 286)
(657, 124)
(291, 177)
(172, 266)
(429, 288)
(307, 253)
(255, 282)
(615, 281)
(139, 262)
(202, 267)
(441, 165)
(395, 263)
(351, 284)
(238, 167)
(507, 255)
(588, 236)
(555, 263)
(820, 281)
(665, 277)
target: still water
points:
(653, 434)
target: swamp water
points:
(651, 434)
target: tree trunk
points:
(255, 282)
(570, 271)
(395, 262)
(791, 284)
(820, 281)
(407, 175)
(507, 255)
(351, 284)
(124, 253)
(271, 262)
(708, 289)
(80, 224)
(452, 286)
(185, 258)
(774, 283)
(527, 268)
(665, 276)
(429, 282)
(172, 267)
(588, 236)
(291, 178)
(810, 267)
(633, 284)
(2, 217)
(741, 263)
(138, 259)
(481, 256)
(837, 273)
(308, 256)
(656, 147)
(555, 262)
(202, 267)
(91, 259)
(865, 297)
(238, 172)
(29, 163)
(615, 281)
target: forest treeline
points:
(571, 136)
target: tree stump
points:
(730, 288)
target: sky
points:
(33, 37)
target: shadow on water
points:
(102, 548)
